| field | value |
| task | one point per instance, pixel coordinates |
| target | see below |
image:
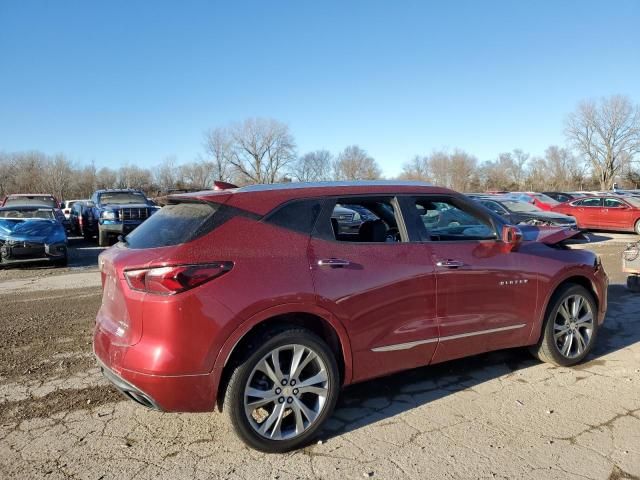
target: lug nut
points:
(284, 382)
(278, 390)
(292, 383)
(289, 400)
(281, 400)
(295, 391)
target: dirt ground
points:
(498, 415)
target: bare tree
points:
(261, 150)
(416, 169)
(58, 177)
(106, 178)
(132, 176)
(166, 175)
(463, 170)
(198, 174)
(563, 171)
(354, 163)
(605, 133)
(218, 146)
(313, 167)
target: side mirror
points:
(512, 236)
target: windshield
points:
(32, 200)
(30, 213)
(521, 207)
(123, 198)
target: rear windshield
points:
(172, 225)
(31, 213)
(32, 200)
(122, 198)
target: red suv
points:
(256, 301)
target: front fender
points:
(548, 287)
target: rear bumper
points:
(127, 389)
(170, 393)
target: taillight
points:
(175, 279)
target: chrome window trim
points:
(408, 345)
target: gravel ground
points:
(498, 415)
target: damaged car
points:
(31, 233)
(251, 300)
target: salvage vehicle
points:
(516, 212)
(604, 212)
(38, 199)
(540, 200)
(118, 211)
(250, 299)
(31, 233)
(82, 220)
(67, 205)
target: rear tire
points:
(103, 238)
(570, 327)
(280, 416)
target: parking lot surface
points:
(498, 415)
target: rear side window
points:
(174, 224)
(299, 215)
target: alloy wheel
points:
(573, 326)
(286, 392)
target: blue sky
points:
(134, 82)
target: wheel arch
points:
(316, 319)
(574, 278)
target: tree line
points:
(603, 141)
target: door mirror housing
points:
(512, 236)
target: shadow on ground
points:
(362, 404)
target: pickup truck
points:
(118, 211)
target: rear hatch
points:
(163, 240)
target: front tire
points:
(570, 327)
(279, 395)
(637, 226)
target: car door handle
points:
(449, 263)
(333, 262)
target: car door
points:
(588, 212)
(379, 285)
(616, 215)
(486, 298)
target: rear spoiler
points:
(220, 185)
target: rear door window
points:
(589, 202)
(174, 224)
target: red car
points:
(604, 212)
(252, 300)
